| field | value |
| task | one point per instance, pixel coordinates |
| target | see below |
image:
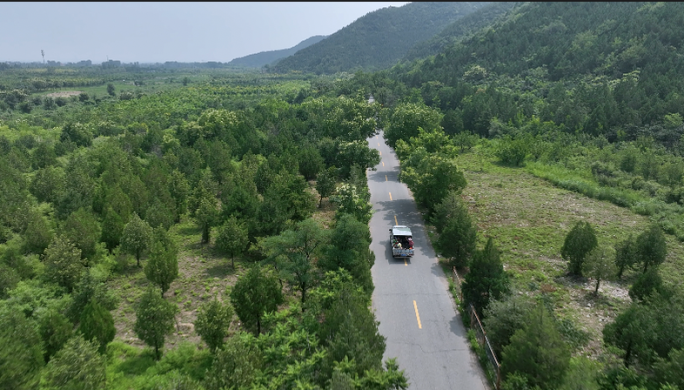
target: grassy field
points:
(529, 218)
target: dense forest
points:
(181, 214)
(459, 30)
(377, 40)
(258, 60)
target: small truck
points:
(401, 240)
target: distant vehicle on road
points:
(401, 240)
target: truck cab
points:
(401, 240)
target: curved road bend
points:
(411, 298)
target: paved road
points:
(411, 298)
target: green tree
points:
(578, 243)
(350, 330)
(632, 331)
(253, 295)
(457, 233)
(38, 235)
(625, 255)
(432, 178)
(599, 265)
(154, 319)
(213, 321)
(21, 356)
(89, 289)
(236, 365)
(83, 230)
(349, 250)
(232, 239)
(671, 370)
(63, 262)
(502, 318)
(205, 216)
(646, 284)
(179, 189)
(537, 351)
(77, 366)
(295, 252)
(325, 183)
(406, 120)
(97, 324)
(651, 248)
(486, 278)
(112, 229)
(55, 329)
(111, 90)
(310, 162)
(351, 200)
(162, 266)
(136, 237)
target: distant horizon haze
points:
(150, 33)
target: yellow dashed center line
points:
(417, 315)
(383, 163)
(390, 196)
(380, 152)
(385, 177)
(395, 220)
(405, 263)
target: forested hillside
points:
(376, 40)
(459, 30)
(557, 113)
(260, 59)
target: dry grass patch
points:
(529, 218)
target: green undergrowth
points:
(130, 367)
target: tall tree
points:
(349, 250)
(651, 248)
(21, 358)
(325, 183)
(162, 266)
(486, 278)
(537, 351)
(55, 329)
(62, 262)
(625, 255)
(206, 215)
(237, 364)
(578, 243)
(154, 319)
(295, 251)
(82, 228)
(232, 239)
(136, 237)
(599, 265)
(504, 317)
(213, 321)
(350, 330)
(632, 331)
(112, 229)
(97, 324)
(253, 295)
(77, 366)
(38, 234)
(457, 233)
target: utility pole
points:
(42, 53)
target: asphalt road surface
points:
(411, 299)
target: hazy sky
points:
(159, 32)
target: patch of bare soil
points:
(63, 94)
